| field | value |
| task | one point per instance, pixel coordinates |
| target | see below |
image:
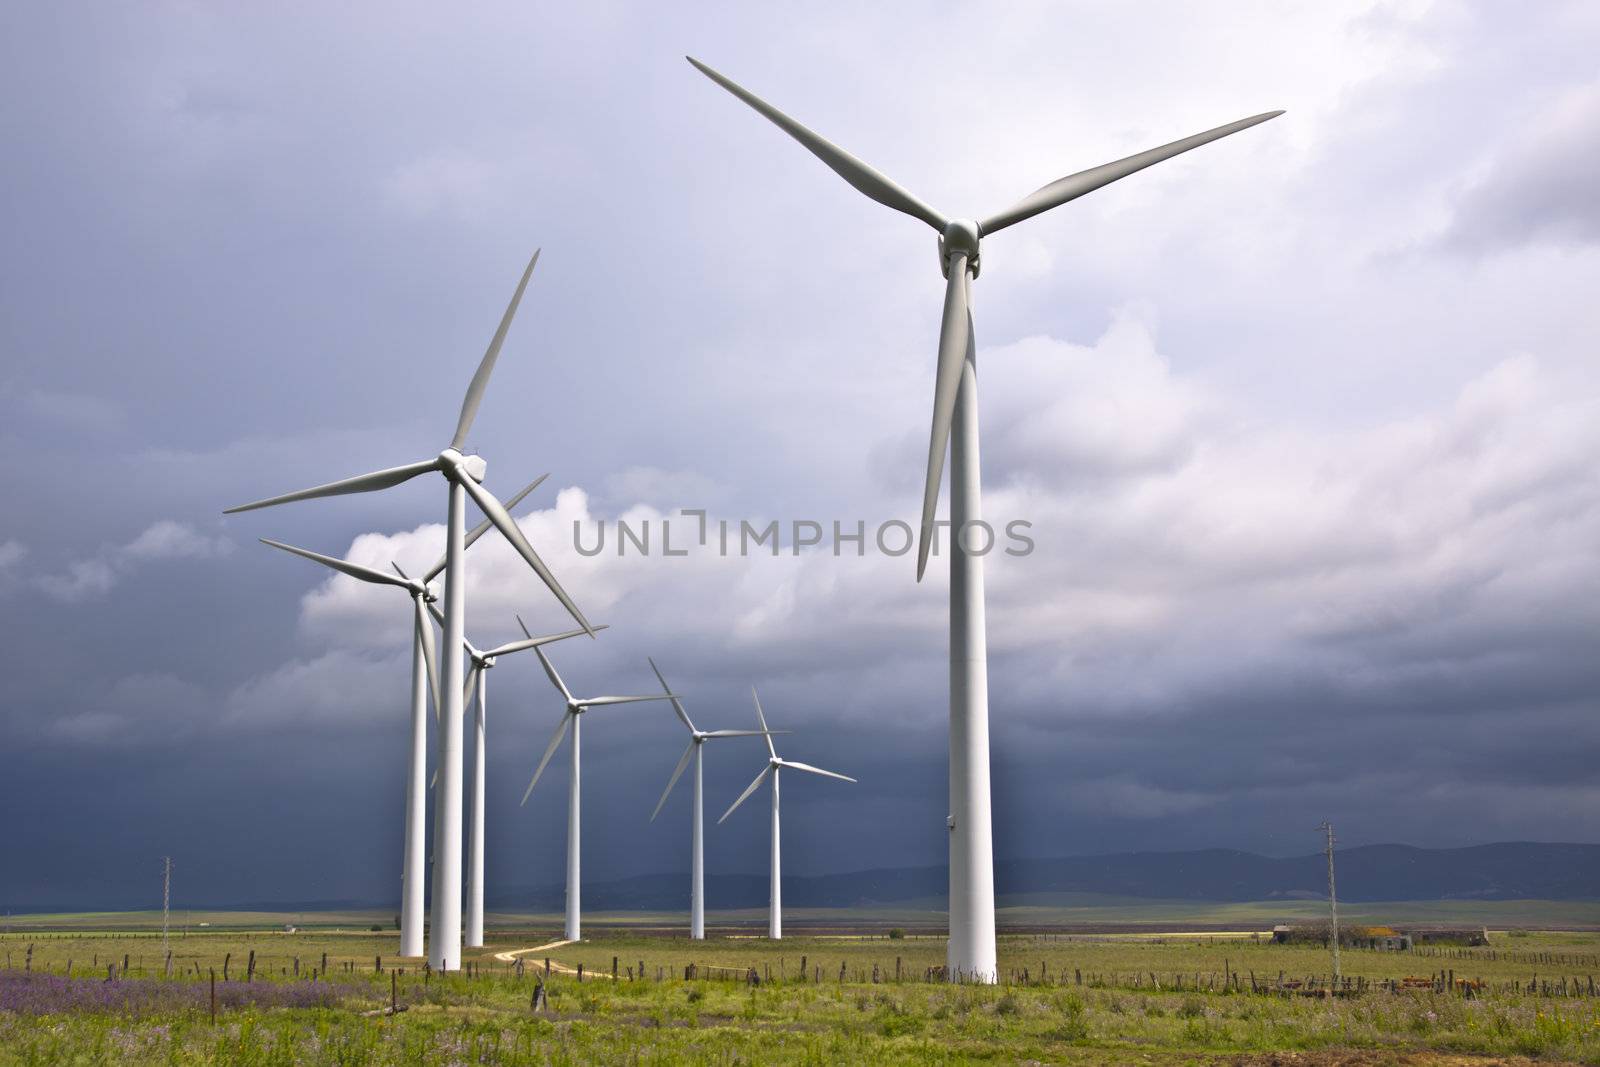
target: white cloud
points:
(95, 576)
(1172, 532)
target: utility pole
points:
(1333, 904)
(166, 899)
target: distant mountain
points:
(1506, 871)
(1516, 870)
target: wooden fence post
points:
(213, 996)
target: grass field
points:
(1143, 997)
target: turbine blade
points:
(741, 733)
(473, 673)
(429, 656)
(598, 702)
(354, 570)
(815, 770)
(677, 705)
(534, 642)
(508, 526)
(953, 335)
(480, 378)
(762, 719)
(555, 743)
(866, 180)
(361, 483)
(682, 763)
(550, 669)
(751, 788)
(481, 529)
(1087, 181)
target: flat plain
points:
(98, 989)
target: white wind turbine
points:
(773, 767)
(570, 716)
(424, 688)
(481, 663)
(463, 474)
(971, 953)
(697, 738)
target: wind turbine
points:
(463, 474)
(575, 707)
(697, 738)
(971, 954)
(423, 689)
(773, 767)
(478, 684)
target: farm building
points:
(1382, 938)
(1449, 935)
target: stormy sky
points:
(1304, 423)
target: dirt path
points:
(510, 956)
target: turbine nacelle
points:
(474, 467)
(960, 235)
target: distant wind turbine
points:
(971, 954)
(570, 716)
(697, 738)
(464, 474)
(772, 769)
(481, 663)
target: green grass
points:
(1107, 1020)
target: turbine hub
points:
(960, 235)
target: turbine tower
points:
(971, 954)
(478, 685)
(464, 475)
(774, 766)
(697, 868)
(570, 715)
(424, 689)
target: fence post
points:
(213, 996)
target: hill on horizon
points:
(1513, 870)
